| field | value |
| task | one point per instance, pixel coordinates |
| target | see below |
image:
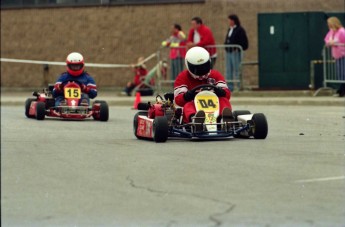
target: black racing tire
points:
(239, 112)
(135, 123)
(160, 129)
(260, 127)
(103, 111)
(40, 110)
(27, 107)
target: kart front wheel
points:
(260, 127)
(160, 129)
(27, 107)
(103, 111)
(40, 110)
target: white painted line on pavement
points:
(321, 179)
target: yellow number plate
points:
(72, 93)
(207, 103)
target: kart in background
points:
(44, 105)
(163, 119)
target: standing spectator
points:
(335, 38)
(236, 35)
(177, 43)
(201, 35)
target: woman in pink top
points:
(335, 38)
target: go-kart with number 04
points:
(163, 119)
(44, 105)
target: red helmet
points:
(75, 64)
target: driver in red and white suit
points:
(199, 72)
(75, 72)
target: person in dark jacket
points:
(236, 35)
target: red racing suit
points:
(185, 82)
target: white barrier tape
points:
(32, 61)
(64, 63)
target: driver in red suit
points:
(199, 72)
(75, 72)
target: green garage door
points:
(287, 44)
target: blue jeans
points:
(59, 98)
(176, 67)
(340, 74)
(233, 62)
(340, 68)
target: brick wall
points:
(123, 33)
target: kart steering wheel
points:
(209, 86)
(75, 81)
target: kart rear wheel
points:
(40, 110)
(27, 107)
(239, 112)
(103, 111)
(260, 127)
(160, 129)
(135, 123)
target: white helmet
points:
(75, 64)
(198, 63)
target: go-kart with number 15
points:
(72, 108)
(163, 119)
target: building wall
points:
(120, 34)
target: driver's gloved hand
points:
(189, 96)
(58, 87)
(220, 92)
(84, 88)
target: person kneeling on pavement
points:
(198, 72)
(75, 72)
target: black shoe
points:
(227, 115)
(63, 102)
(199, 119)
(84, 102)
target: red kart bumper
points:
(145, 126)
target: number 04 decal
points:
(207, 103)
(72, 93)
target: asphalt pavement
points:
(89, 173)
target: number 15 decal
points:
(72, 93)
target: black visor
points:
(200, 70)
(75, 67)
